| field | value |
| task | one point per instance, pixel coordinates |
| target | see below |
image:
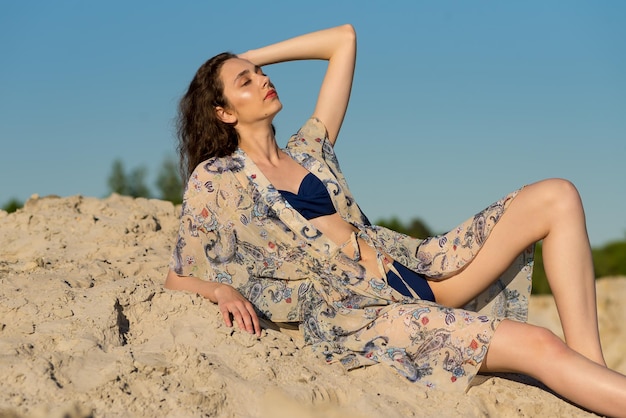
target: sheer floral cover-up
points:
(236, 228)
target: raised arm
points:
(336, 45)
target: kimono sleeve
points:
(189, 255)
(310, 138)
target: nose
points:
(266, 81)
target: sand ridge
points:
(86, 329)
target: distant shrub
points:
(540, 280)
(610, 260)
(12, 205)
(415, 228)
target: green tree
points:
(416, 227)
(610, 260)
(540, 285)
(132, 184)
(118, 183)
(137, 184)
(392, 223)
(12, 205)
(169, 182)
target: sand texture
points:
(86, 330)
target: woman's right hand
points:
(228, 299)
(231, 302)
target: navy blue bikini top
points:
(312, 199)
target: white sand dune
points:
(86, 329)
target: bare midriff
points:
(340, 232)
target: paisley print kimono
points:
(236, 228)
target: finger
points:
(251, 320)
(247, 321)
(226, 316)
(239, 319)
(255, 322)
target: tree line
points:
(609, 260)
(133, 182)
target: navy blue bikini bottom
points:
(418, 283)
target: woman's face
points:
(250, 95)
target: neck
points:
(259, 144)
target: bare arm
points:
(228, 299)
(336, 45)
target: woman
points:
(276, 232)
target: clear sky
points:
(455, 103)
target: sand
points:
(87, 330)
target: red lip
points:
(271, 94)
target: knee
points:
(545, 344)
(560, 195)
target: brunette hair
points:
(201, 134)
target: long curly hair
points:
(201, 134)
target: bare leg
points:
(535, 351)
(550, 210)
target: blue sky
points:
(455, 103)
